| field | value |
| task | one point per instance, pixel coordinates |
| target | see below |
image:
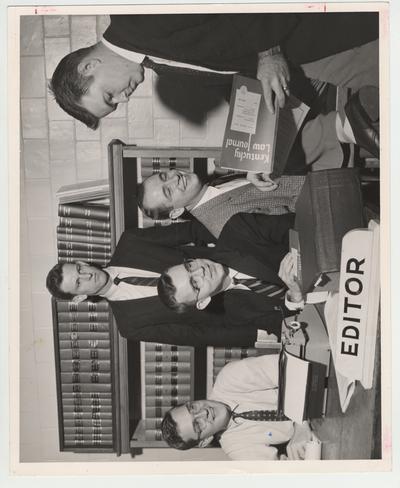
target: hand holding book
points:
(273, 72)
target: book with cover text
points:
(256, 140)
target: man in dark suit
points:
(251, 265)
(138, 311)
(89, 83)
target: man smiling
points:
(250, 266)
(207, 46)
(241, 386)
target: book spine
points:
(73, 336)
(68, 431)
(83, 327)
(234, 352)
(153, 435)
(88, 443)
(157, 164)
(96, 396)
(93, 423)
(220, 362)
(84, 223)
(83, 246)
(166, 367)
(150, 346)
(85, 344)
(79, 255)
(169, 356)
(92, 402)
(87, 415)
(85, 387)
(152, 423)
(83, 235)
(162, 401)
(84, 211)
(66, 259)
(156, 412)
(85, 366)
(79, 316)
(93, 377)
(87, 408)
(167, 378)
(67, 353)
(65, 306)
(171, 390)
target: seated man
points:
(241, 386)
(138, 311)
(169, 193)
(250, 266)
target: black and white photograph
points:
(203, 235)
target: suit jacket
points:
(255, 244)
(232, 41)
(226, 323)
(215, 213)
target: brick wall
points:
(57, 150)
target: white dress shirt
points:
(251, 384)
(126, 291)
(139, 57)
(215, 191)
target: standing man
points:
(90, 83)
(246, 385)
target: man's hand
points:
(273, 72)
(262, 181)
(287, 275)
(296, 448)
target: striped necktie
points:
(259, 286)
(162, 69)
(262, 415)
(136, 280)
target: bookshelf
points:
(164, 375)
(112, 393)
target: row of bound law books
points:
(84, 373)
(168, 381)
(84, 232)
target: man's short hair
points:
(167, 290)
(68, 86)
(54, 280)
(153, 213)
(169, 431)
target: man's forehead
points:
(184, 422)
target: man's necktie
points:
(262, 415)
(162, 69)
(259, 286)
(136, 280)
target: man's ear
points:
(202, 304)
(79, 298)
(176, 212)
(87, 66)
(205, 442)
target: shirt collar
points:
(125, 53)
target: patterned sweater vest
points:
(215, 213)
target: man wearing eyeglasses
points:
(246, 385)
(251, 266)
